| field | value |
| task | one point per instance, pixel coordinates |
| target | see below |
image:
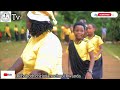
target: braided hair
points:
(39, 27)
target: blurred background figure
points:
(104, 30)
(22, 34)
(16, 33)
(62, 35)
(84, 22)
(0, 36)
(67, 33)
(71, 36)
(28, 36)
(54, 30)
(7, 33)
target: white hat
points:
(42, 16)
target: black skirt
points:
(67, 38)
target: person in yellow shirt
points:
(7, 33)
(43, 53)
(16, 33)
(97, 42)
(0, 36)
(62, 33)
(54, 30)
(67, 33)
(81, 55)
(71, 35)
(84, 21)
(22, 34)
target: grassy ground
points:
(11, 50)
(113, 49)
(14, 49)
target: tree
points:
(115, 28)
(112, 24)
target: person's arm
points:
(99, 43)
(100, 51)
(17, 66)
(70, 73)
(89, 72)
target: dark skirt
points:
(22, 36)
(16, 36)
(67, 38)
(7, 35)
(98, 69)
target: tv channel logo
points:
(5, 16)
(8, 16)
(7, 74)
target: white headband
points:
(38, 16)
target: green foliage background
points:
(112, 24)
(70, 17)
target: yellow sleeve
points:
(90, 46)
(26, 47)
(49, 58)
(100, 42)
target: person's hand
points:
(88, 75)
(95, 56)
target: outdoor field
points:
(11, 48)
(9, 52)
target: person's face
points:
(90, 29)
(79, 32)
(85, 34)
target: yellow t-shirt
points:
(7, 30)
(97, 41)
(22, 31)
(62, 27)
(62, 33)
(72, 36)
(67, 31)
(84, 48)
(16, 29)
(43, 53)
(54, 29)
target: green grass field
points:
(11, 50)
(113, 49)
(14, 49)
